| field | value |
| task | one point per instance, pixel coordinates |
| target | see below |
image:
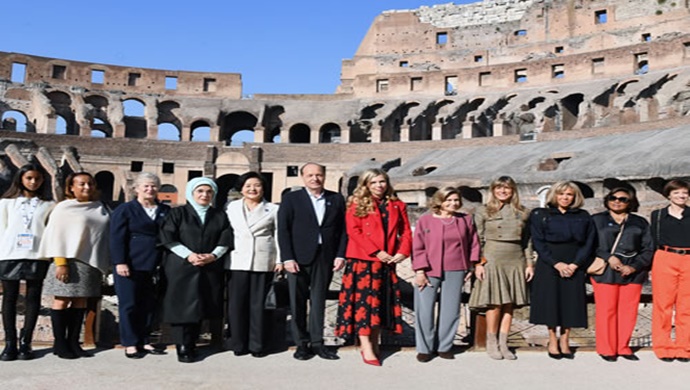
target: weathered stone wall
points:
(477, 38)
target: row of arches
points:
(99, 116)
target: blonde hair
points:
(362, 196)
(493, 205)
(559, 188)
(440, 196)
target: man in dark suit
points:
(312, 240)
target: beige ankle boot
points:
(492, 347)
(503, 347)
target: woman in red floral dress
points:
(379, 237)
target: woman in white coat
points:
(252, 264)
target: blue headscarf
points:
(191, 186)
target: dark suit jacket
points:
(134, 236)
(298, 228)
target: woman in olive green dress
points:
(506, 263)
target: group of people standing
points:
(315, 232)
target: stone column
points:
(119, 130)
(437, 131)
(284, 136)
(498, 128)
(259, 134)
(214, 133)
(186, 133)
(345, 135)
(467, 129)
(375, 136)
(405, 133)
(51, 126)
(151, 130)
(314, 136)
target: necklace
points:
(445, 220)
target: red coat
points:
(366, 235)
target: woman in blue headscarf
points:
(196, 237)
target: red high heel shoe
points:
(373, 362)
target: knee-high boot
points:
(25, 351)
(59, 319)
(76, 319)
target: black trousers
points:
(310, 283)
(246, 315)
(136, 296)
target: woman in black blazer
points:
(135, 254)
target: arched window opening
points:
(14, 121)
(133, 107)
(60, 125)
(241, 137)
(168, 132)
(201, 131)
(299, 134)
(98, 134)
(329, 134)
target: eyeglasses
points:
(622, 199)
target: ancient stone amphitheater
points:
(596, 91)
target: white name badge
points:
(25, 241)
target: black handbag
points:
(278, 296)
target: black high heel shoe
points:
(134, 355)
(556, 356)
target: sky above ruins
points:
(278, 46)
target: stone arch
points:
(611, 182)
(570, 110)
(16, 120)
(61, 103)
(274, 136)
(98, 114)
(225, 183)
(430, 191)
(99, 125)
(300, 133)
(352, 185)
(105, 182)
(329, 133)
(471, 194)
(135, 118)
(169, 131)
(235, 122)
(61, 126)
(587, 191)
(272, 123)
(166, 113)
(200, 130)
(620, 89)
(241, 137)
(656, 184)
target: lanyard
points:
(28, 212)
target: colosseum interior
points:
(596, 91)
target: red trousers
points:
(671, 290)
(616, 315)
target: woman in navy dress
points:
(563, 236)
